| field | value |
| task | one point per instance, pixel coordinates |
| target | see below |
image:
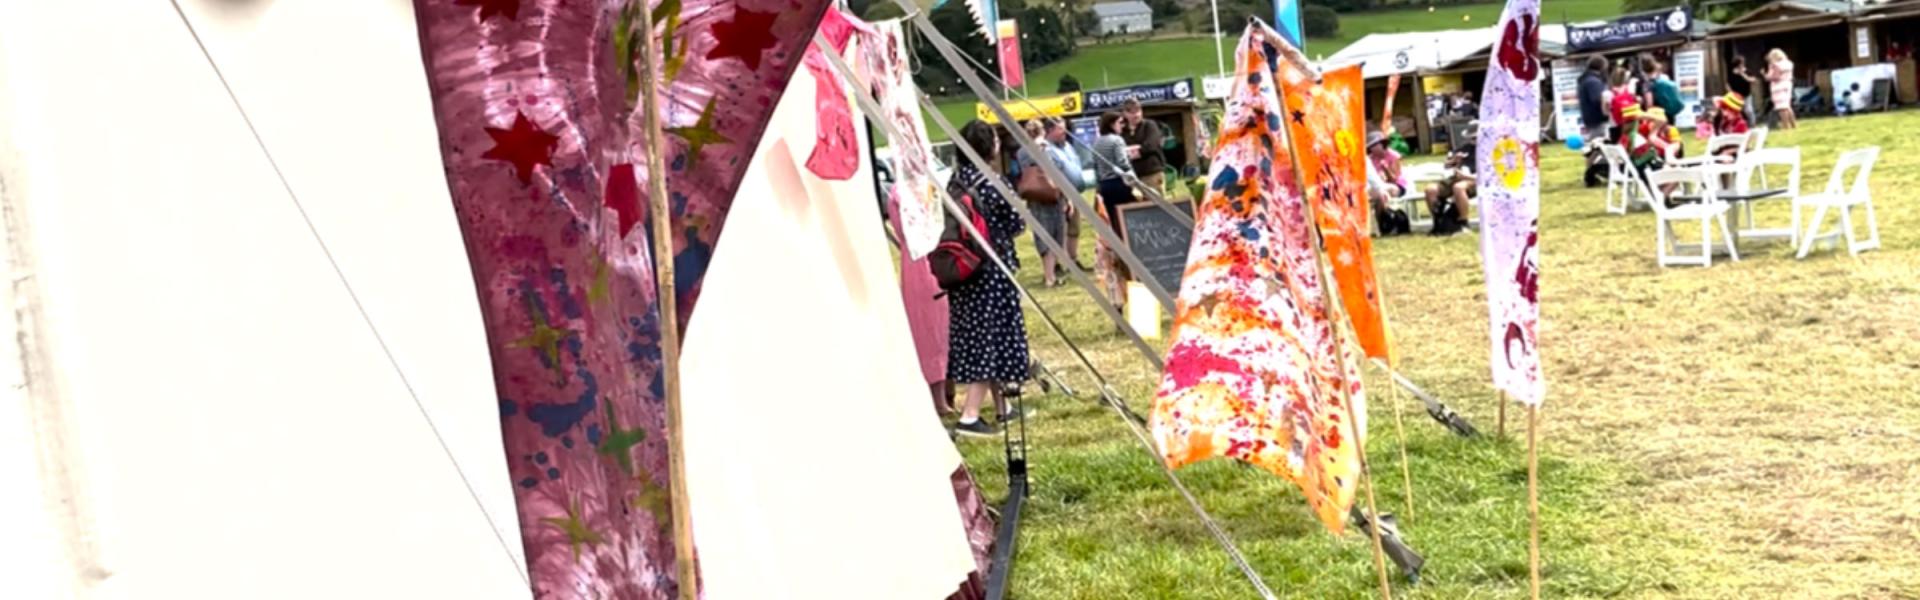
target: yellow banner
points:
(1022, 110)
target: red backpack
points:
(958, 259)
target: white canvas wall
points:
(237, 430)
(815, 467)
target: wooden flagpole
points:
(684, 558)
(1337, 314)
(1533, 500)
(1399, 427)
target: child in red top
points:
(1730, 119)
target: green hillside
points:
(1104, 65)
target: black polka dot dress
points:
(988, 333)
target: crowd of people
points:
(1632, 105)
(971, 337)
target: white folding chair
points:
(1843, 197)
(1753, 166)
(1757, 141)
(1715, 145)
(1708, 210)
(1619, 176)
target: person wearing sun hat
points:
(1385, 180)
(1646, 137)
(1730, 118)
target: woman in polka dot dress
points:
(988, 337)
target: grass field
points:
(1117, 64)
(1748, 430)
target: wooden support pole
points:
(1399, 427)
(1337, 314)
(1533, 500)
(684, 558)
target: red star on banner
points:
(506, 8)
(623, 196)
(524, 145)
(746, 37)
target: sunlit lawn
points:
(1749, 430)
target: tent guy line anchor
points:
(864, 99)
(1436, 409)
(519, 567)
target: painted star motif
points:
(577, 530)
(524, 145)
(543, 337)
(505, 8)
(746, 37)
(700, 134)
(623, 196)
(599, 290)
(652, 497)
(1300, 117)
(618, 443)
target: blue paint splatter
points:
(1224, 179)
(680, 162)
(679, 202)
(572, 344)
(529, 482)
(566, 441)
(593, 434)
(556, 419)
(1249, 232)
(658, 386)
(568, 305)
(540, 458)
(508, 408)
(1266, 166)
(691, 264)
(1253, 78)
(553, 473)
(1273, 122)
(1272, 52)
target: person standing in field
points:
(1114, 172)
(1739, 81)
(1052, 136)
(1780, 87)
(988, 333)
(1145, 140)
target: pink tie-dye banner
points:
(1509, 176)
(536, 106)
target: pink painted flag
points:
(1509, 176)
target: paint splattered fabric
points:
(535, 103)
(1252, 373)
(835, 154)
(1328, 130)
(1509, 177)
(885, 68)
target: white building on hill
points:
(1132, 16)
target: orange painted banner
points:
(1328, 122)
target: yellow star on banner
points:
(577, 530)
(543, 337)
(700, 134)
(599, 290)
(652, 497)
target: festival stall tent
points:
(1383, 56)
(252, 363)
(1822, 36)
(204, 409)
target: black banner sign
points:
(1109, 99)
(1631, 29)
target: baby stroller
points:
(1807, 101)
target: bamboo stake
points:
(685, 561)
(1533, 501)
(1399, 428)
(1338, 315)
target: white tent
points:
(208, 411)
(223, 359)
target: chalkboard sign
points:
(1158, 239)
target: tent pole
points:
(684, 558)
(1533, 501)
